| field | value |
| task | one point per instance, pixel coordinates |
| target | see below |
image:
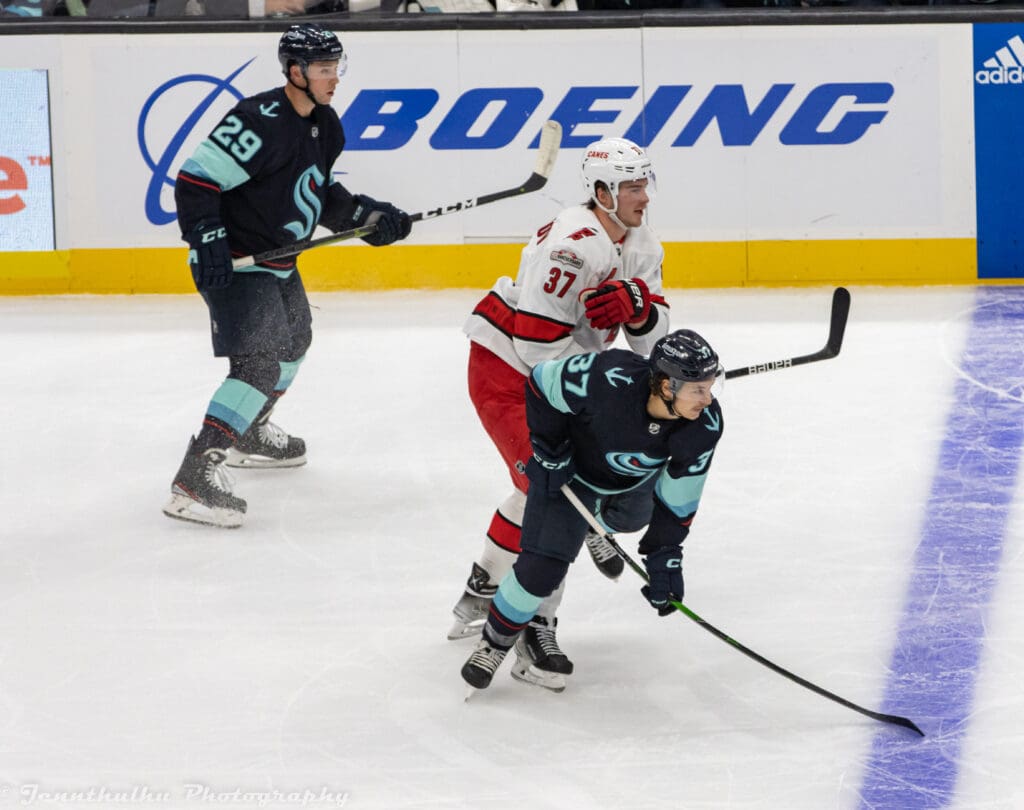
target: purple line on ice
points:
(941, 635)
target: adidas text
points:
(1000, 75)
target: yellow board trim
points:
(687, 264)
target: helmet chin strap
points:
(611, 212)
(670, 402)
(309, 95)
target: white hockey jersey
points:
(540, 316)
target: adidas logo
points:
(1006, 67)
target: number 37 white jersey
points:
(540, 316)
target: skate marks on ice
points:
(943, 630)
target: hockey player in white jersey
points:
(591, 272)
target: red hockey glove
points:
(618, 302)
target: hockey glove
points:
(550, 468)
(392, 223)
(209, 256)
(665, 571)
(617, 302)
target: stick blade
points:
(840, 314)
(547, 152)
(896, 720)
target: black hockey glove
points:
(392, 223)
(550, 468)
(210, 256)
(665, 570)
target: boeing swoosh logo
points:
(161, 166)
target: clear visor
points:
(651, 186)
(328, 70)
(706, 390)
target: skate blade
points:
(461, 630)
(182, 507)
(245, 461)
(527, 673)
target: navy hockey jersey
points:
(265, 174)
(599, 402)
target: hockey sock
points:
(289, 368)
(507, 524)
(511, 611)
(233, 408)
(549, 607)
(496, 561)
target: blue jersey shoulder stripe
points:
(680, 495)
(547, 379)
(213, 163)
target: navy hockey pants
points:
(553, 528)
(260, 314)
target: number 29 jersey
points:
(264, 172)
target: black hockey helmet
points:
(304, 43)
(684, 356)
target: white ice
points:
(305, 653)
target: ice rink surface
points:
(861, 526)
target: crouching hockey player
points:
(588, 276)
(634, 438)
(263, 180)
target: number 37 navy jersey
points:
(598, 402)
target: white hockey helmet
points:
(612, 161)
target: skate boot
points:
(605, 557)
(471, 609)
(480, 667)
(201, 492)
(266, 445)
(539, 659)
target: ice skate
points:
(605, 557)
(480, 667)
(471, 610)
(201, 492)
(266, 445)
(539, 659)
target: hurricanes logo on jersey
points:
(307, 201)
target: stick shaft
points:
(596, 526)
(550, 140)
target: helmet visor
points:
(335, 68)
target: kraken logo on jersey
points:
(635, 465)
(307, 201)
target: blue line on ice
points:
(941, 635)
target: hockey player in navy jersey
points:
(588, 276)
(263, 180)
(634, 439)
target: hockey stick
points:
(885, 718)
(836, 329)
(547, 152)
